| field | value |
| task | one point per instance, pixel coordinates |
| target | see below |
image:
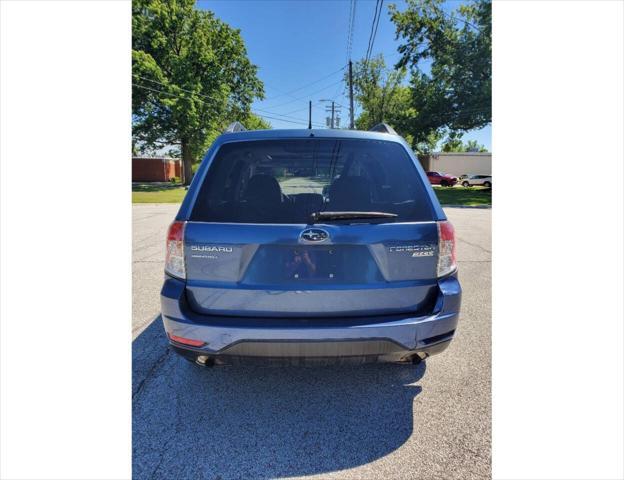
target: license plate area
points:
(313, 264)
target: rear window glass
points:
(285, 181)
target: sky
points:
(300, 47)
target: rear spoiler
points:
(235, 127)
(383, 128)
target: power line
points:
(370, 37)
(349, 63)
(200, 95)
(273, 106)
(307, 95)
(450, 17)
(257, 109)
(287, 115)
(153, 90)
(176, 86)
(288, 121)
(351, 29)
(298, 110)
(192, 93)
(264, 115)
(306, 107)
(349, 43)
(271, 115)
(376, 25)
(342, 88)
(279, 92)
(450, 116)
(307, 85)
(340, 91)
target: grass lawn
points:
(157, 193)
(469, 196)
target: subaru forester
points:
(310, 247)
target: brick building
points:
(155, 169)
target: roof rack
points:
(235, 127)
(383, 128)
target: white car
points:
(473, 180)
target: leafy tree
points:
(455, 95)
(191, 77)
(453, 143)
(250, 122)
(426, 144)
(378, 90)
(473, 146)
(255, 122)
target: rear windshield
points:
(285, 181)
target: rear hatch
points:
(253, 247)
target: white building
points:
(458, 163)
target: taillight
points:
(174, 263)
(447, 261)
(187, 341)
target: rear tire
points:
(444, 183)
(487, 184)
(465, 184)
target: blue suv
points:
(310, 247)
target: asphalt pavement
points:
(432, 421)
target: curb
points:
(487, 207)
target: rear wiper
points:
(317, 216)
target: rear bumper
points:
(367, 339)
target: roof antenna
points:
(310, 115)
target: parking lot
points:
(384, 421)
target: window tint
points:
(284, 181)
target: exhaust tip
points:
(204, 361)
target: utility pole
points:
(351, 123)
(334, 120)
(310, 115)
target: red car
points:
(437, 178)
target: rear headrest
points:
(263, 188)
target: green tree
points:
(191, 77)
(250, 122)
(378, 90)
(454, 143)
(255, 122)
(455, 96)
(473, 146)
